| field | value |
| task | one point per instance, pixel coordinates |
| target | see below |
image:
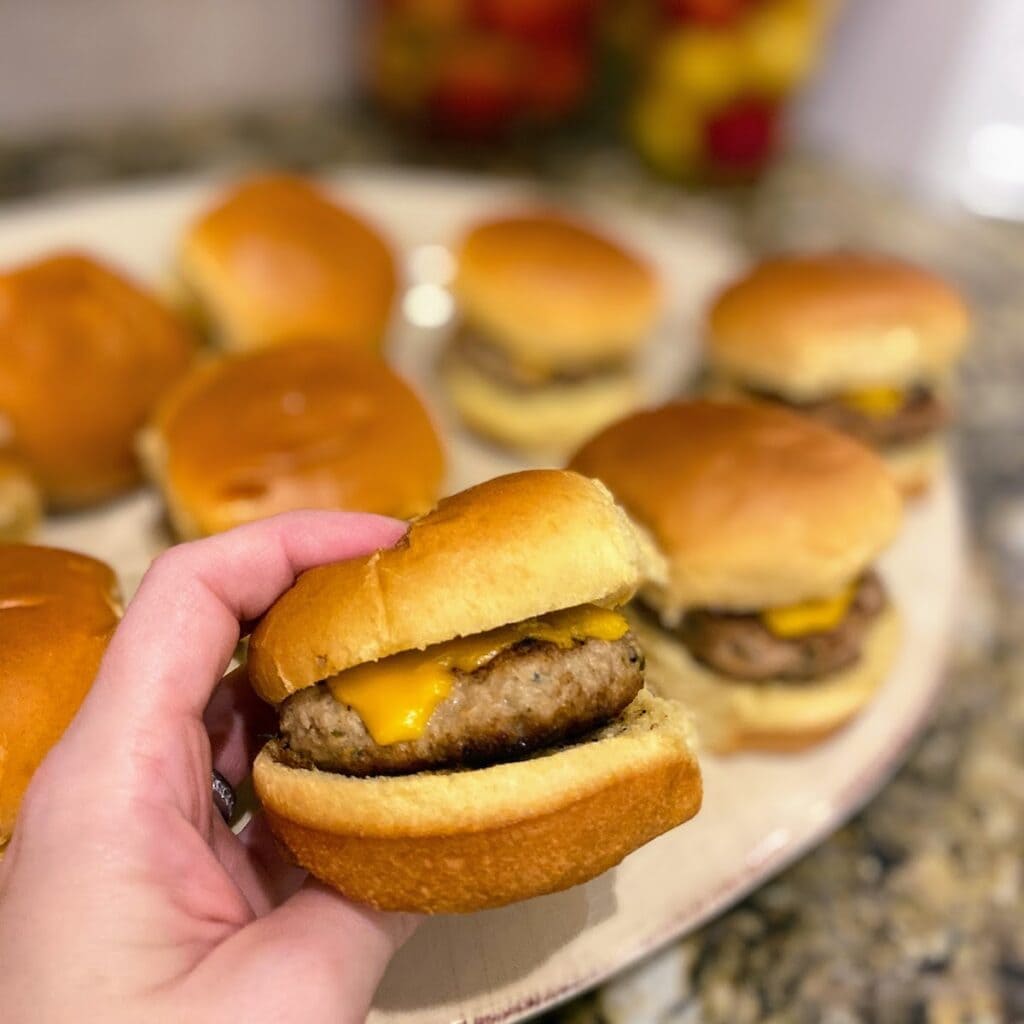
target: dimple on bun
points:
(810, 326)
(57, 613)
(276, 261)
(553, 292)
(454, 842)
(310, 425)
(512, 548)
(731, 715)
(85, 356)
(752, 506)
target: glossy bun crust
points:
(85, 356)
(57, 613)
(277, 261)
(312, 425)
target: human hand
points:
(123, 895)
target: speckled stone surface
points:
(915, 910)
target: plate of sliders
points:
(684, 546)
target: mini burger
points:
(84, 356)
(552, 315)
(57, 613)
(863, 343)
(275, 260)
(20, 500)
(309, 425)
(463, 722)
(772, 624)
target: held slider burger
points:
(772, 625)
(462, 718)
(864, 343)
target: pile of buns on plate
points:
(507, 702)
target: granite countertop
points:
(915, 910)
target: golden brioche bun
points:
(312, 425)
(453, 842)
(811, 326)
(509, 549)
(753, 506)
(551, 418)
(20, 500)
(732, 715)
(915, 466)
(57, 612)
(276, 261)
(85, 355)
(552, 292)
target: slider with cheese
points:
(58, 610)
(277, 260)
(772, 625)
(463, 722)
(552, 316)
(310, 425)
(866, 344)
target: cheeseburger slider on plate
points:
(552, 314)
(57, 613)
(309, 425)
(276, 260)
(463, 722)
(866, 344)
(772, 625)
(84, 356)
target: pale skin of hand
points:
(123, 895)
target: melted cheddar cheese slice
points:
(396, 696)
(875, 402)
(796, 620)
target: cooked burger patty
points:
(491, 360)
(530, 696)
(743, 647)
(922, 414)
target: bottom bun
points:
(452, 842)
(548, 418)
(730, 715)
(915, 466)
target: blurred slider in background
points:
(553, 315)
(864, 343)
(772, 626)
(304, 425)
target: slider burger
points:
(463, 722)
(57, 613)
(552, 316)
(20, 500)
(866, 344)
(275, 260)
(772, 625)
(309, 425)
(85, 354)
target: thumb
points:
(317, 957)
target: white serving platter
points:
(760, 812)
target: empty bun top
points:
(809, 326)
(85, 355)
(275, 261)
(510, 549)
(57, 613)
(308, 425)
(753, 506)
(553, 292)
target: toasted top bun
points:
(84, 354)
(506, 550)
(554, 293)
(752, 505)
(275, 261)
(57, 612)
(809, 326)
(311, 425)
